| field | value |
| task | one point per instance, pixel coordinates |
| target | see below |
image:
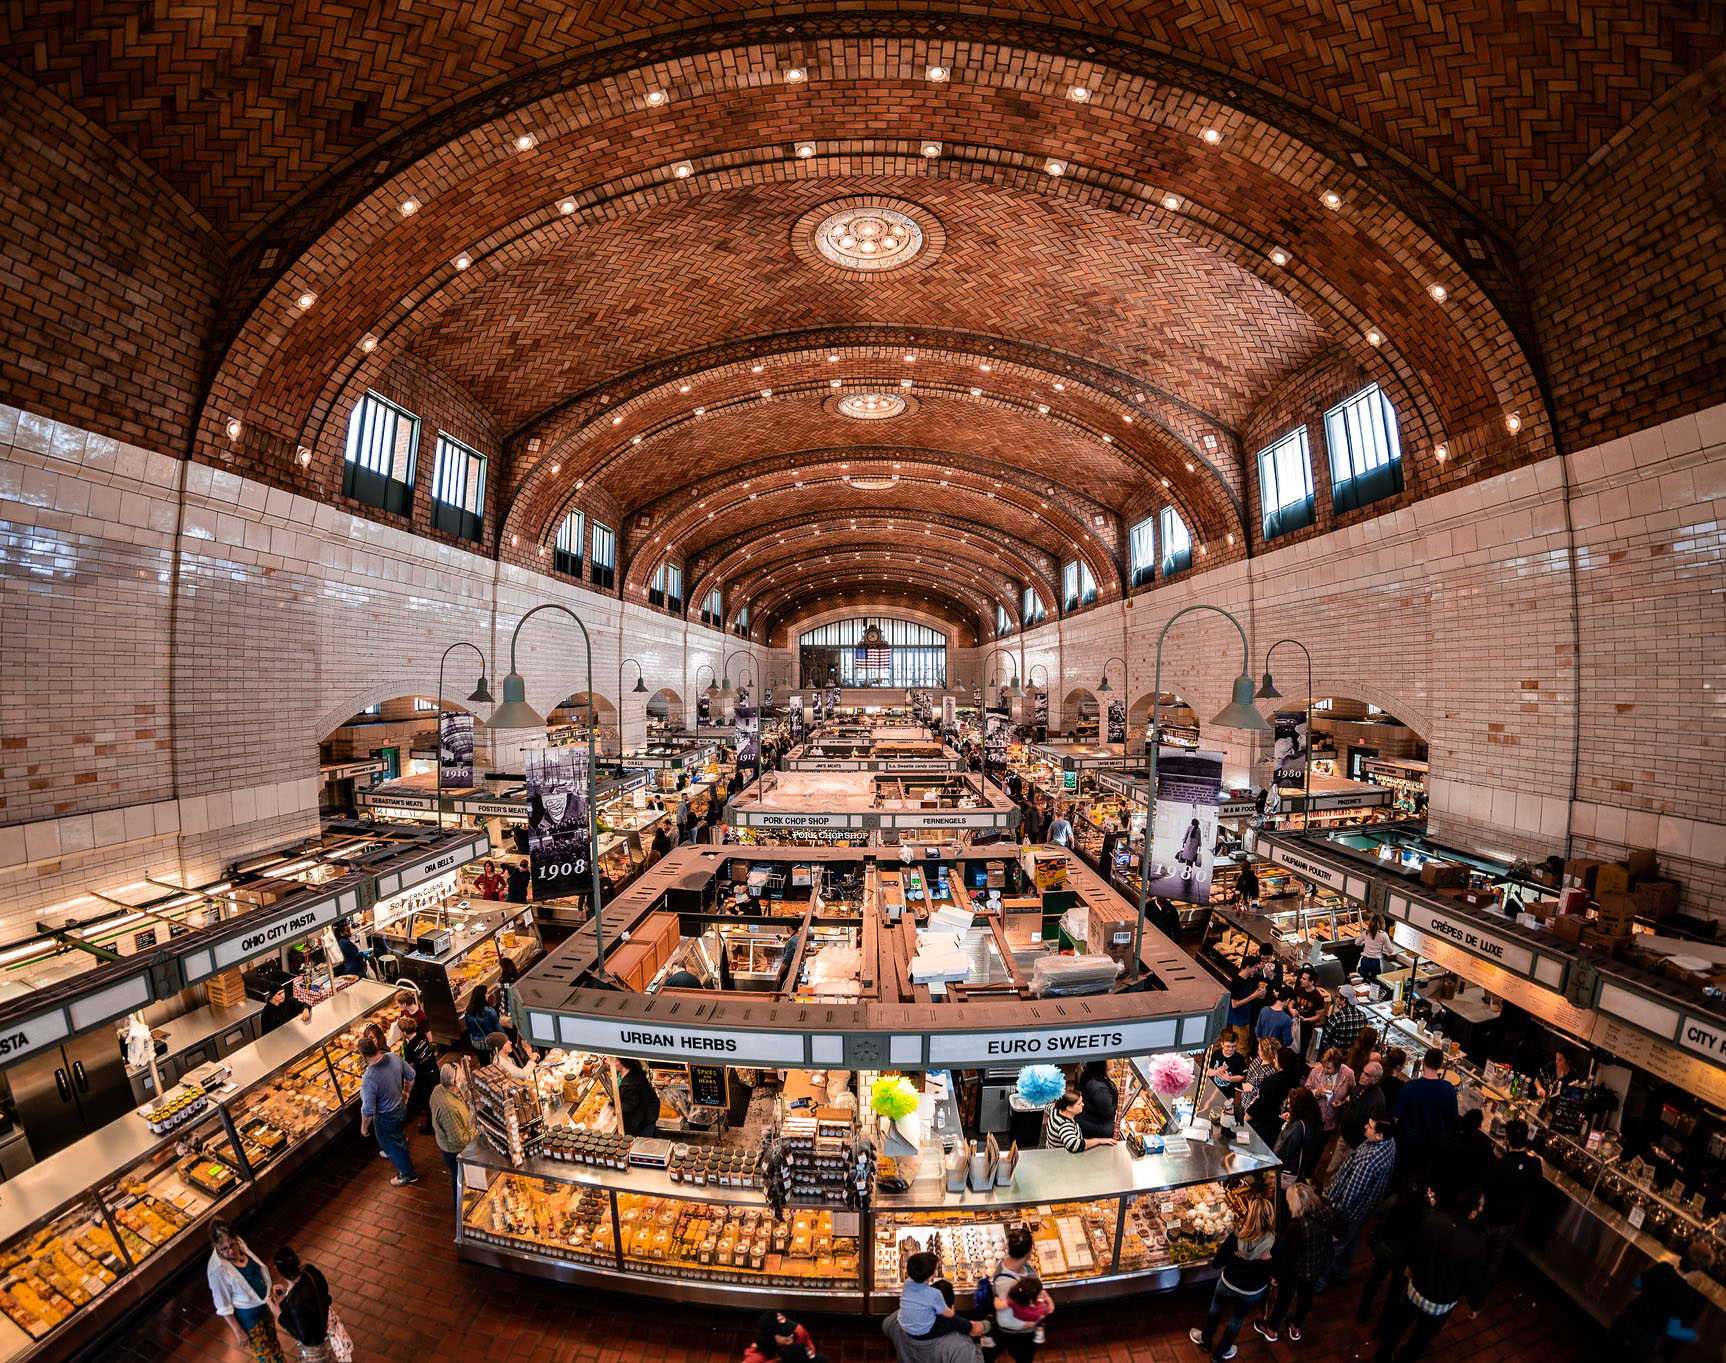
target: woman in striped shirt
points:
(1063, 1132)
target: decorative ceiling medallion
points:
(867, 235)
(871, 406)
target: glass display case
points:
(471, 951)
(88, 1233)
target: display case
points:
(90, 1232)
(474, 944)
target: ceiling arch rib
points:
(936, 614)
(974, 575)
(867, 584)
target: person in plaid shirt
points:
(1357, 1188)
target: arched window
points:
(899, 653)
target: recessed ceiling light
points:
(1375, 337)
(795, 75)
(1041, 407)
(904, 383)
(1332, 199)
(368, 342)
(682, 170)
(1055, 167)
(700, 410)
(1212, 136)
(305, 300)
(976, 392)
(832, 359)
(834, 383)
(656, 96)
(985, 366)
(910, 359)
(409, 207)
(1439, 293)
(578, 483)
(1513, 423)
(766, 393)
(755, 369)
(1189, 466)
(1441, 452)
(683, 387)
(234, 428)
(524, 142)
(1060, 387)
(1078, 93)
(1279, 257)
(566, 206)
(462, 261)
(1128, 418)
(1108, 440)
(557, 468)
(931, 149)
(939, 73)
(617, 420)
(1171, 202)
(805, 150)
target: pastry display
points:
(559, 1219)
(711, 1243)
(59, 1269)
(1070, 1240)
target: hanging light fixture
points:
(1267, 688)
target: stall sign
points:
(1471, 939)
(386, 802)
(707, 1085)
(1704, 1036)
(1706, 1081)
(732, 1046)
(266, 937)
(494, 809)
(1338, 799)
(1057, 1044)
(426, 896)
(756, 818)
(21, 1039)
(1546, 1004)
(444, 861)
(943, 819)
(1324, 875)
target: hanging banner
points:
(1184, 840)
(797, 715)
(1288, 762)
(455, 749)
(997, 734)
(703, 710)
(1042, 709)
(820, 706)
(1117, 720)
(742, 695)
(559, 786)
(950, 713)
(977, 700)
(748, 740)
(767, 702)
(833, 702)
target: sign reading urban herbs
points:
(748, 740)
(1117, 720)
(455, 749)
(1184, 839)
(559, 786)
(1288, 759)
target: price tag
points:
(1637, 1216)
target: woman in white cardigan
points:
(240, 1288)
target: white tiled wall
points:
(280, 618)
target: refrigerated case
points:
(87, 1234)
(68, 1091)
(479, 940)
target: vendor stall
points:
(862, 807)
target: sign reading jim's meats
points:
(558, 849)
(1289, 756)
(455, 749)
(1183, 845)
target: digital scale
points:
(651, 1152)
(208, 1077)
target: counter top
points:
(65, 1177)
(200, 1024)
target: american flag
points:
(874, 655)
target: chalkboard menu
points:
(707, 1087)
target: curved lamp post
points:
(639, 689)
(712, 680)
(1237, 714)
(1013, 691)
(1267, 691)
(1103, 687)
(725, 691)
(516, 713)
(481, 696)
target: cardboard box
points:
(1567, 927)
(1573, 901)
(1480, 899)
(1580, 872)
(1049, 873)
(1642, 863)
(1110, 932)
(1612, 877)
(1616, 912)
(1596, 940)
(1657, 898)
(1442, 875)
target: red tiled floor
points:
(392, 1267)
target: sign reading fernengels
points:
(277, 932)
(1057, 1043)
(643, 1038)
(1472, 939)
(32, 1034)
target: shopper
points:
(1228, 1067)
(925, 1311)
(452, 1121)
(1375, 946)
(682, 822)
(1262, 1065)
(1301, 1138)
(1061, 831)
(281, 1008)
(1399, 1217)
(480, 1020)
(1446, 1263)
(1364, 1103)
(1303, 1252)
(1102, 1101)
(421, 1057)
(637, 1099)
(1462, 1156)
(661, 842)
(1275, 1021)
(1246, 988)
(1358, 1187)
(1511, 1184)
(384, 1090)
(1012, 1337)
(1111, 840)
(1424, 1109)
(1361, 1051)
(240, 1288)
(1247, 888)
(1028, 1305)
(1393, 1060)
(780, 1339)
(1309, 1004)
(1265, 1112)
(303, 1307)
(1246, 1260)
(1065, 1131)
(517, 876)
(515, 1060)
(408, 1005)
(1666, 1307)
(1270, 967)
(1331, 1082)
(490, 882)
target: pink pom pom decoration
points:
(1171, 1075)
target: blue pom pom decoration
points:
(1040, 1085)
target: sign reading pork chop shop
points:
(1058, 1044)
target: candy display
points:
(733, 1244)
(58, 1270)
(566, 1221)
(1070, 1240)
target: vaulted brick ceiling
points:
(608, 234)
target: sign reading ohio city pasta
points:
(1053, 1043)
(268, 936)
